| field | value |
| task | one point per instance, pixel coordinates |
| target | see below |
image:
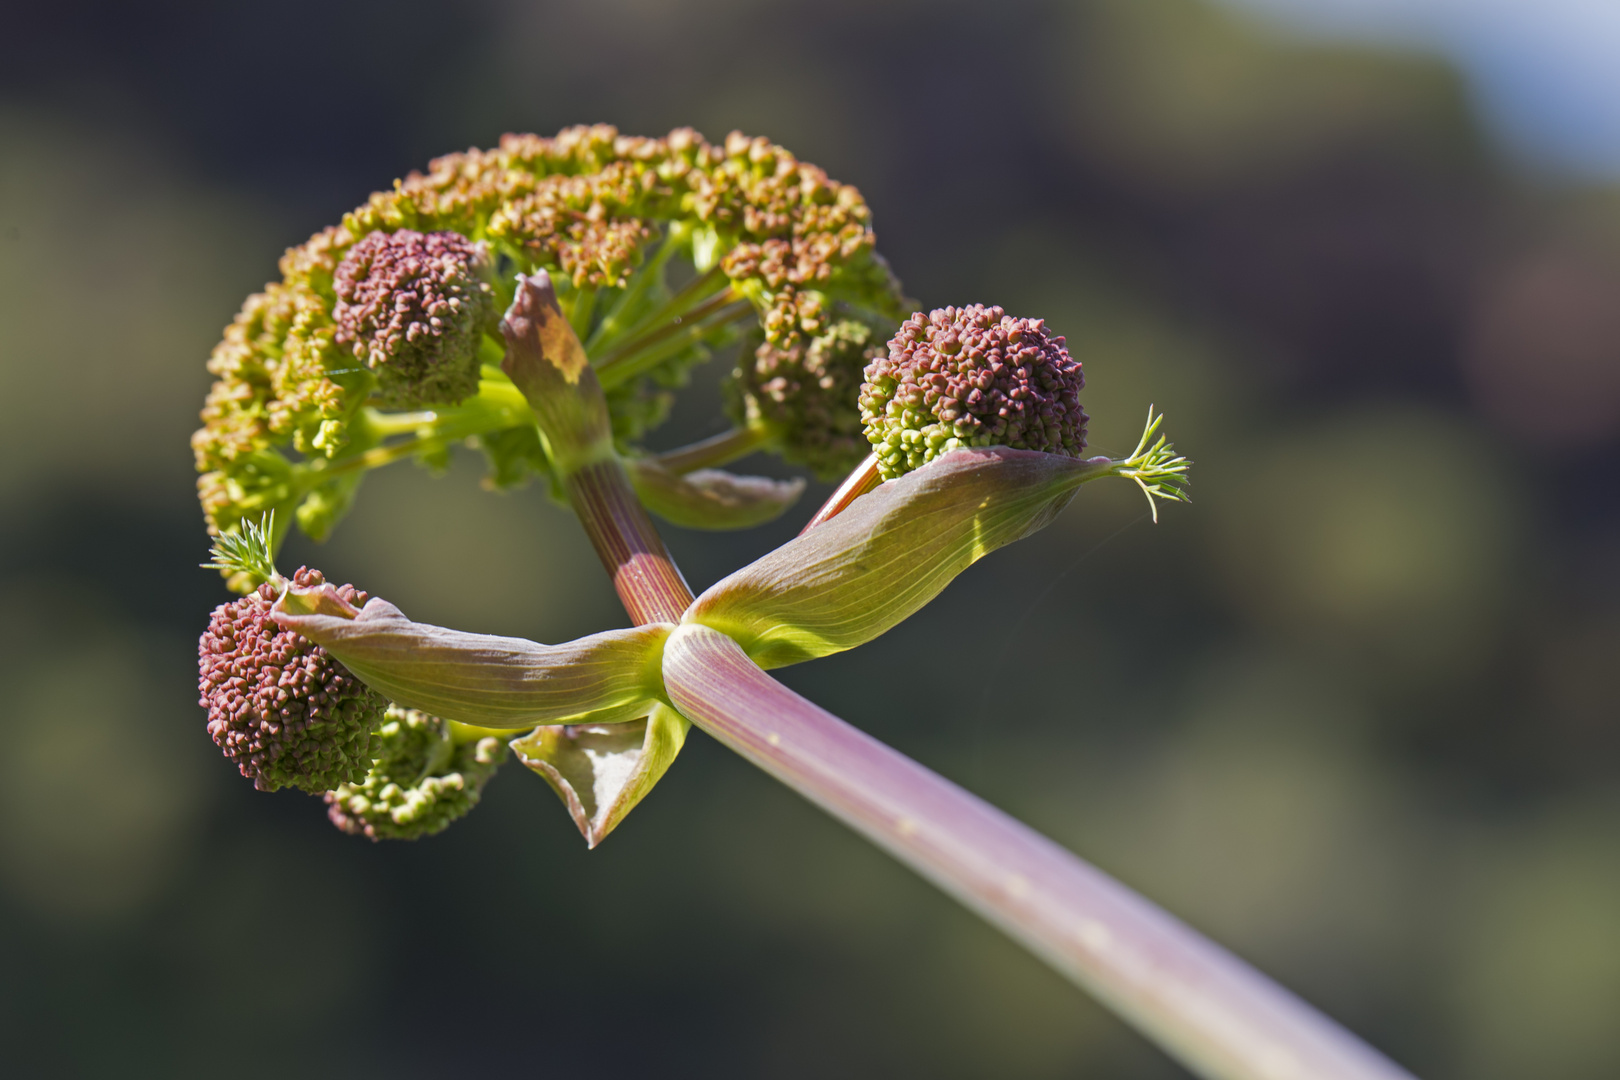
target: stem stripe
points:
(644, 575)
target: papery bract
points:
(602, 771)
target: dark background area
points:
(1352, 713)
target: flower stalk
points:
(721, 449)
(865, 478)
(1217, 1015)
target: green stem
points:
(383, 425)
(640, 356)
(498, 405)
(612, 325)
(716, 450)
(695, 292)
(692, 293)
(579, 312)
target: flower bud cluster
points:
(421, 781)
(804, 390)
(586, 205)
(971, 376)
(412, 306)
(279, 706)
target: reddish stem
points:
(865, 478)
(644, 575)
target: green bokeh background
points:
(1352, 713)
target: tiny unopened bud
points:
(805, 390)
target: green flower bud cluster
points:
(412, 307)
(804, 391)
(307, 361)
(279, 706)
(972, 376)
(422, 779)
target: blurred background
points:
(1352, 713)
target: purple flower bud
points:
(972, 376)
(279, 706)
(413, 306)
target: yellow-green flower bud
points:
(805, 389)
(424, 777)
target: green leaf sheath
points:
(491, 682)
(851, 579)
(546, 362)
(711, 498)
(1219, 1016)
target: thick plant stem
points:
(1216, 1014)
(1213, 1012)
(644, 575)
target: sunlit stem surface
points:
(644, 574)
(716, 450)
(1215, 1013)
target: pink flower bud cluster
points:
(279, 706)
(413, 306)
(804, 388)
(972, 376)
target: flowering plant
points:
(619, 263)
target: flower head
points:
(804, 389)
(412, 307)
(773, 241)
(279, 706)
(423, 778)
(972, 376)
